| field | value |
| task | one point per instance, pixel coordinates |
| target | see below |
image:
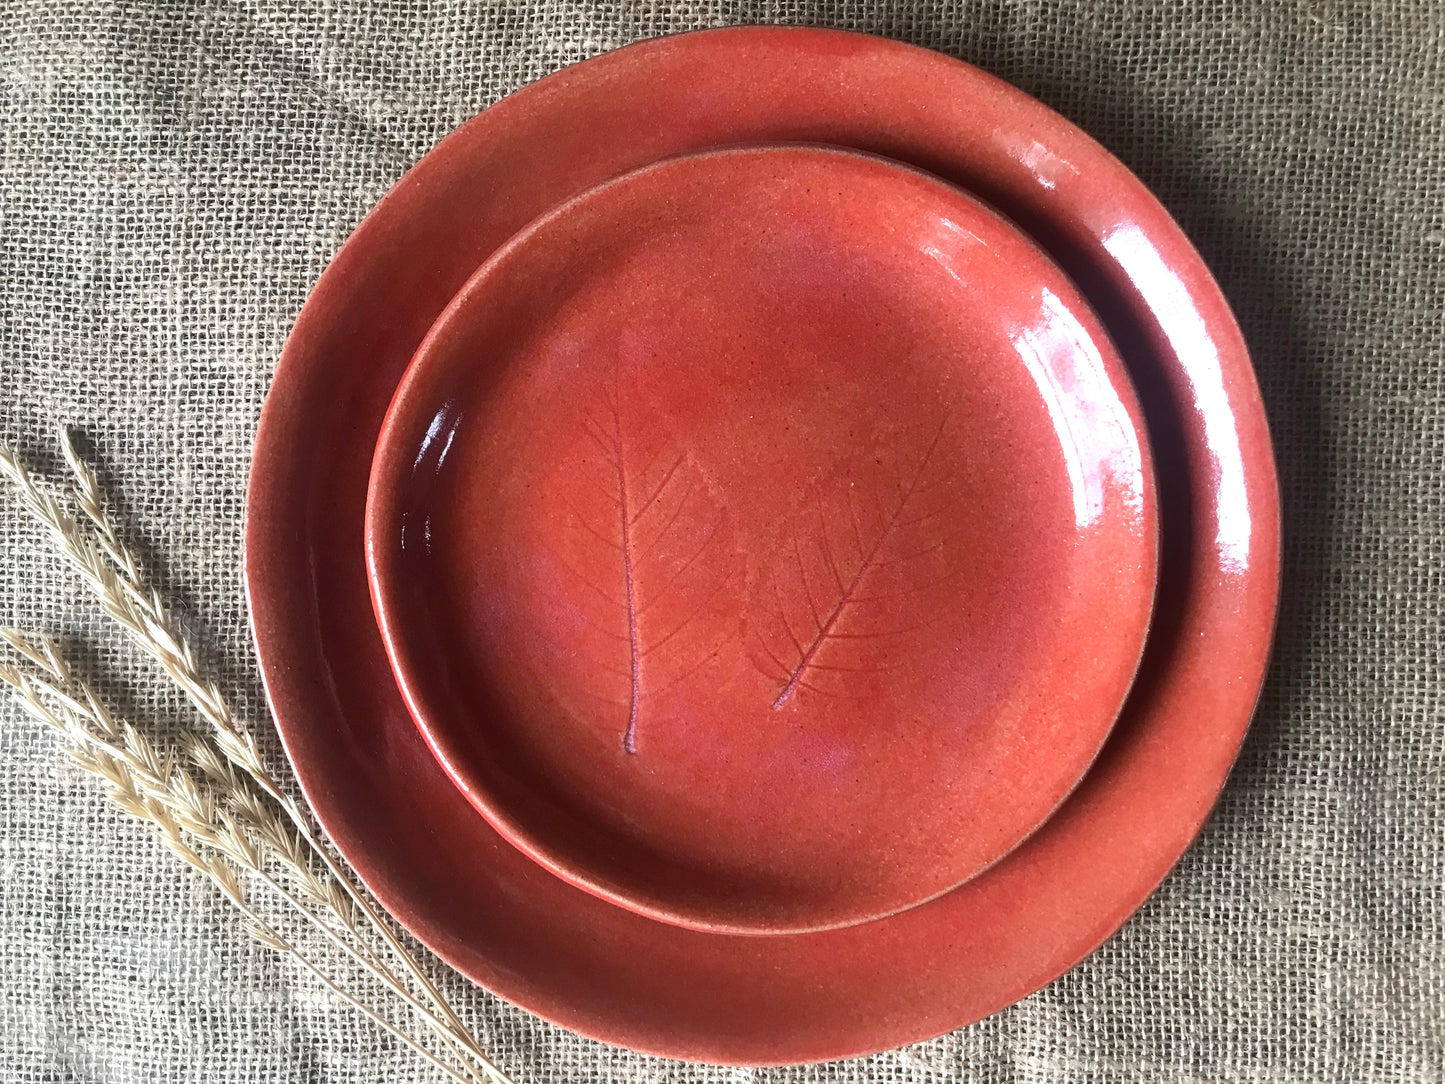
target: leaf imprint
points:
(898, 531)
(650, 558)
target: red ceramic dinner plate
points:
(604, 970)
(763, 540)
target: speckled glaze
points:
(764, 540)
(604, 970)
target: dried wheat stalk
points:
(235, 816)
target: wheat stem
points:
(377, 1019)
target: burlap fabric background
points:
(172, 180)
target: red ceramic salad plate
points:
(771, 570)
(764, 540)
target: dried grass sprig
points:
(150, 786)
(236, 816)
(137, 771)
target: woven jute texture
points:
(174, 177)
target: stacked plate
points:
(763, 546)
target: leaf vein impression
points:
(827, 625)
(629, 740)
